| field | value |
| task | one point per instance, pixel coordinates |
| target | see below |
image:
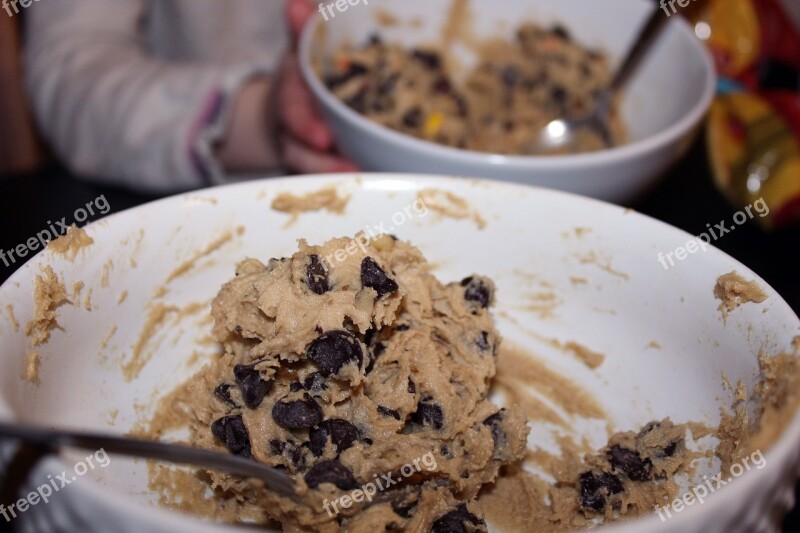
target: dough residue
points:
(732, 290)
(156, 319)
(32, 367)
(212, 247)
(327, 198)
(12, 318)
(450, 205)
(588, 357)
(72, 242)
(48, 294)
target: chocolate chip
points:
(462, 105)
(429, 59)
(299, 414)
(386, 88)
(341, 432)
(483, 341)
(443, 86)
(558, 94)
(295, 386)
(494, 422)
(278, 446)
(373, 276)
(630, 462)
(412, 387)
(317, 275)
(223, 392)
(510, 76)
(250, 383)
(334, 349)
(315, 383)
(595, 487)
(353, 71)
(232, 431)
(669, 449)
(358, 101)
(413, 118)
(560, 31)
(477, 291)
(459, 520)
(331, 472)
(385, 411)
(428, 414)
(405, 505)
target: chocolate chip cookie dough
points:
(500, 106)
(343, 371)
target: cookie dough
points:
(72, 242)
(48, 294)
(500, 106)
(732, 290)
(343, 372)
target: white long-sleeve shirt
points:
(136, 92)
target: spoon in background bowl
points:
(562, 132)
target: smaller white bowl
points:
(662, 107)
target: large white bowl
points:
(663, 105)
(529, 245)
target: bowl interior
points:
(567, 269)
(665, 90)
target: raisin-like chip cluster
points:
(330, 472)
(428, 413)
(386, 411)
(476, 290)
(373, 276)
(334, 349)
(298, 414)
(459, 520)
(232, 431)
(341, 433)
(253, 387)
(317, 275)
(595, 489)
(223, 393)
(630, 462)
(314, 383)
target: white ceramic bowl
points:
(663, 105)
(529, 245)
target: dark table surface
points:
(685, 198)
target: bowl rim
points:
(632, 150)
(781, 452)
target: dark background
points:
(685, 198)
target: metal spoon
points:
(562, 132)
(274, 480)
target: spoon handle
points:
(273, 479)
(649, 33)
